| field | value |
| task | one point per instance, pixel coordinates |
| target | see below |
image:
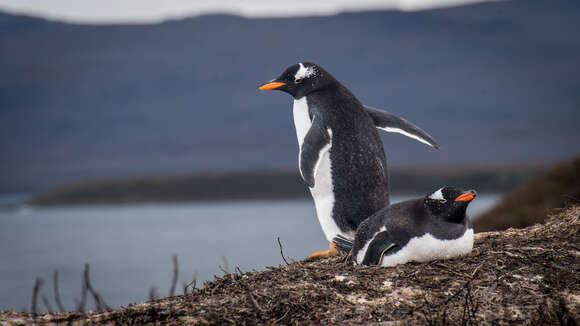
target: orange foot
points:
(326, 253)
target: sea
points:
(130, 247)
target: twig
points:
(282, 318)
(449, 270)
(281, 251)
(257, 307)
(56, 292)
(83, 300)
(175, 276)
(99, 303)
(46, 303)
(37, 285)
(192, 284)
(255, 304)
(475, 271)
(223, 271)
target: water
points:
(129, 247)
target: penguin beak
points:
(467, 196)
(271, 85)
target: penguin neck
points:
(456, 215)
(334, 93)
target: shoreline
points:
(268, 186)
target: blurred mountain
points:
(493, 83)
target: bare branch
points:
(56, 292)
(99, 302)
(37, 285)
(193, 284)
(46, 303)
(281, 251)
(175, 276)
(83, 301)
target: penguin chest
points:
(323, 190)
(427, 248)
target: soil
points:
(518, 276)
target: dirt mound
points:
(531, 203)
(525, 276)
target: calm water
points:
(129, 247)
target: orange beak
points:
(468, 196)
(272, 85)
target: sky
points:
(151, 11)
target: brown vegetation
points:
(519, 276)
(531, 203)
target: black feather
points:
(343, 244)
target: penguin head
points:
(449, 203)
(300, 80)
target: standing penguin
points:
(341, 155)
(422, 229)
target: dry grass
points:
(524, 276)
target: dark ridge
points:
(264, 186)
(529, 204)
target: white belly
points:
(426, 248)
(323, 192)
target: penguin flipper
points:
(343, 244)
(316, 143)
(392, 123)
(378, 248)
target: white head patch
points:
(438, 195)
(304, 72)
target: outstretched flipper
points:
(316, 143)
(377, 249)
(392, 123)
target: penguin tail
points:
(343, 244)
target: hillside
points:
(528, 204)
(527, 276)
(250, 186)
(91, 102)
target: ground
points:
(518, 276)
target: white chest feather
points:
(323, 191)
(301, 119)
(427, 248)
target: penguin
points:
(341, 156)
(423, 229)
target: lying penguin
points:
(423, 229)
(341, 155)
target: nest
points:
(518, 276)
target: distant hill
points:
(270, 185)
(492, 82)
(529, 204)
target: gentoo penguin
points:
(341, 155)
(433, 227)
